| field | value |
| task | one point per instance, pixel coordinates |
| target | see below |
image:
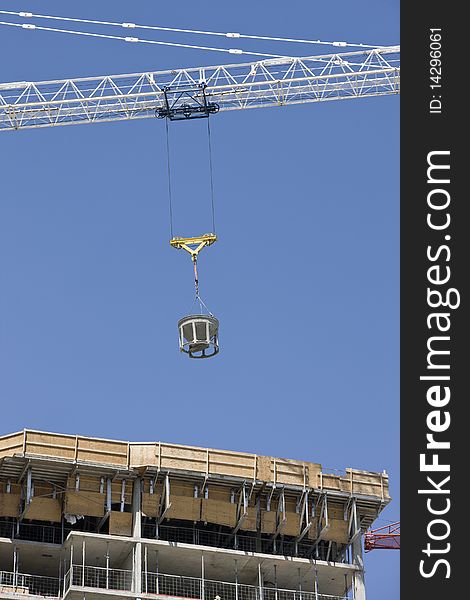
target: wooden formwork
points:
(189, 459)
(292, 472)
(120, 523)
(11, 444)
(65, 447)
(170, 457)
(9, 504)
(14, 590)
(217, 507)
(151, 495)
(44, 509)
(250, 522)
(150, 504)
(337, 531)
(183, 504)
(204, 485)
(87, 500)
(10, 498)
(291, 525)
(313, 531)
(219, 512)
(335, 510)
(187, 509)
(366, 483)
(90, 504)
(117, 489)
(357, 482)
(268, 521)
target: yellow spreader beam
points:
(194, 245)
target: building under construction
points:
(88, 518)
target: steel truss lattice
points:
(275, 82)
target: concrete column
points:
(359, 588)
(137, 534)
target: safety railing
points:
(46, 534)
(152, 585)
(98, 577)
(245, 543)
(31, 585)
(205, 589)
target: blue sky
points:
(304, 277)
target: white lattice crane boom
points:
(272, 82)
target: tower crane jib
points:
(265, 83)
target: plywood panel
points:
(222, 493)
(143, 455)
(47, 444)
(87, 483)
(268, 521)
(232, 464)
(364, 476)
(183, 458)
(366, 483)
(150, 503)
(264, 468)
(290, 471)
(14, 590)
(15, 488)
(192, 459)
(292, 524)
(188, 509)
(146, 485)
(313, 531)
(313, 473)
(337, 531)
(102, 451)
(42, 488)
(86, 503)
(9, 505)
(120, 523)
(44, 509)
(116, 487)
(11, 444)
(182, 488)
(365, 489)
(219, 512)
(251, 520)
(335, 511)
(331, 482)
